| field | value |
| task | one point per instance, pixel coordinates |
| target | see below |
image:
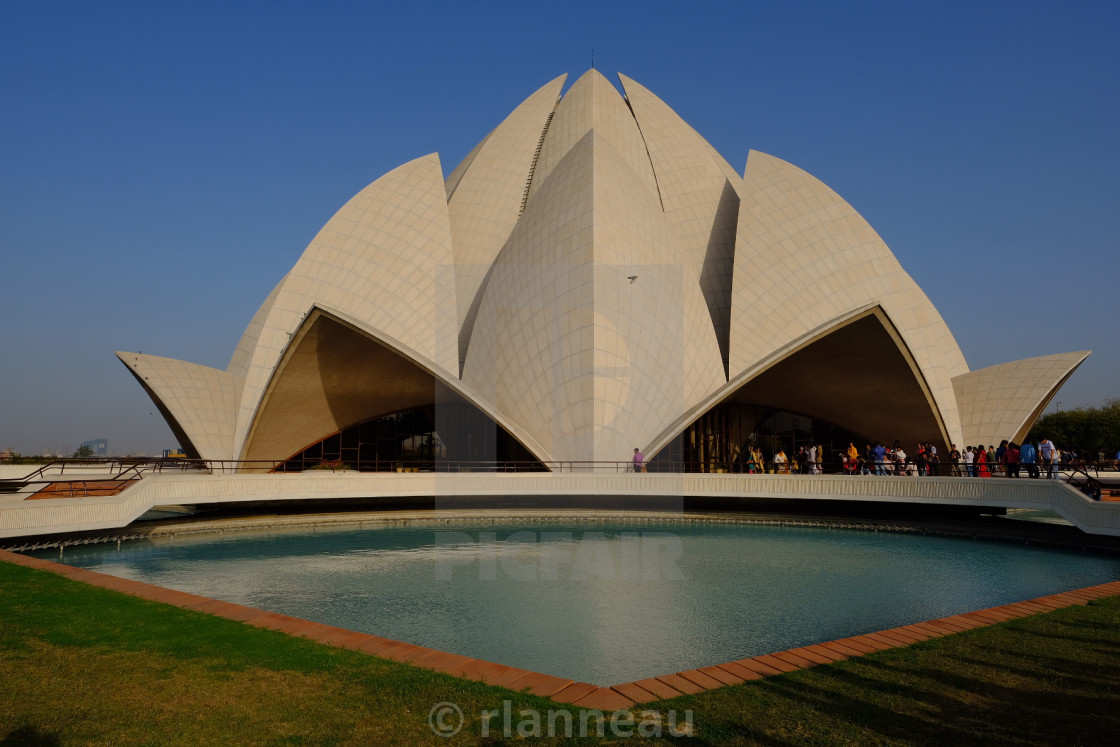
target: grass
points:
(83, 665)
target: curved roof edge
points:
(666, 119)
(243, 354)
(699, 194)
(593, 103)
(778, 355)
(451, 183)
(800, 245)
(1004, 400)
(385, 256)
(488, 199)
(439, 374)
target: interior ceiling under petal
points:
(857, 376)
(335, 374)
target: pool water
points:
(602, 602)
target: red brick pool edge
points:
(582, 694)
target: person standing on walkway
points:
(982, 462)
(999, 454)
(969, 457)
(639, 461)
(853, 458)
(1011, 459)
(934, 459)
(1046, 453)
(879, 455)
(1028, 455)
(901, 466)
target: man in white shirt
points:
(1046, 452)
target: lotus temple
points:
(459, 358)
(592, 278)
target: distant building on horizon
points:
(593, 278)
(100, 446)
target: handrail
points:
(1090, 486)
(126, 464)
(135, 468)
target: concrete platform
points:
(28, 518)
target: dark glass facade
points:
(453, 437)
(720, 439)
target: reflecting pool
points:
(601, 602)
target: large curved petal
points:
(198, 402)
(700, 195)
(487, 198)
(385, 259)
(592, 103)
(591, 333)
(1003, 401)
(803, 257)
(242, 356)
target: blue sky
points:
(162, 165)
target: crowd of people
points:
(1009, 459)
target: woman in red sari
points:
(982, 463)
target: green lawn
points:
(83, 665)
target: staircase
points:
(536, 156)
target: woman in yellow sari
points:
(853, 458)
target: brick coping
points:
(581, 694)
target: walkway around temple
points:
(78, 501)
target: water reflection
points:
(602, 603)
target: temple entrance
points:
(453, 436)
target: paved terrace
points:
(24, 517)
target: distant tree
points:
(1087, 430)
(85, 451)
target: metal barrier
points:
(127, 470)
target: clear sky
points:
(162, 165)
